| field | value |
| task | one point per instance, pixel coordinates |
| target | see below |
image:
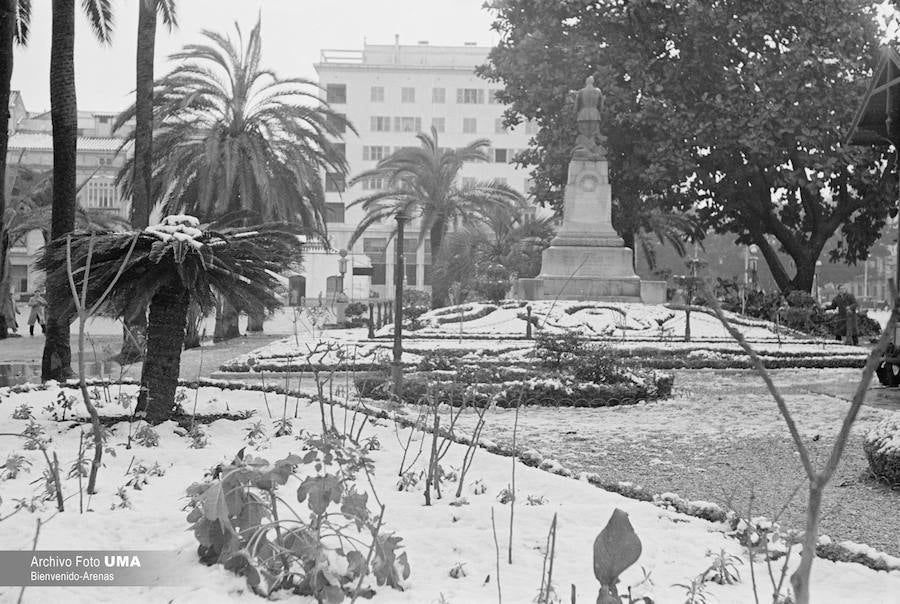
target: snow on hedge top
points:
(885, 436)
(620, 320)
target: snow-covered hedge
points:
(882, 448)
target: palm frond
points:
(100, 18)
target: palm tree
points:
(15, 19)
(421, 182)
(134, 336)
(166, 268)
(234, 137)
(57, 359)
(508, 245)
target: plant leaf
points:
(615, 549)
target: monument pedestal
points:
(587, 260)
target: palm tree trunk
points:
(57, 359)
(7, 31)
(226, 322)
(135, 332)
(255, 322)
(192, 337)
(165, 338)
(440, 288)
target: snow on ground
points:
(436, 538)
(590, 319)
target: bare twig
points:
(497, 552)
(512, 500)
(37, 532)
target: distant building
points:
(99, 160)
(390, 93)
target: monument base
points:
(579, 288)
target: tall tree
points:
(15, 19)
(422, 182)
(167, 267)
(736, 109)
(57, 358)
(234, 139)
(134, 336)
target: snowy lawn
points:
(436, 539)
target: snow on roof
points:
(44, 142)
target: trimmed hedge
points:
(882, 449)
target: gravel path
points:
(721, 439)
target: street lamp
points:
(397, 363)
(816, 280)
(752, 259)
(342, 269)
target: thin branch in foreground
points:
(497, 557)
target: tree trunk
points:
(255, 322)
(7, 31)
(440, 288)
(56, 363)
(226, 322)
(192, 336)
(165, 337)
(135, 331)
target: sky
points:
(293, 31)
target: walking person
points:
(37, 303)
(852, 326)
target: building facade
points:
(31, 150)
(390, 93)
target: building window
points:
(492, 97)
(470, 125)
(101, 193)
(334, 212)
(380, 124)
(501, 180)
(103, 119)
(375, 152)
(334, 182)
(338, 122)
(340, 149)
(377, 94)
(336, 93)
(499, 128)
(375, 248)
(470, 96)
(439, 124)
(407, 94)
(501, 156)
(373, 184)
(438, 95)
(407, 124)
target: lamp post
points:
(752, 264)
(397, 363)
(342, 269)
(816, 280)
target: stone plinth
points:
(587, 260)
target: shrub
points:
(599, 366)
(555, 349)
(435, 360)
(415, 304)
(882, 449)
(239, 523)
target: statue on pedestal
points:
(588, 103)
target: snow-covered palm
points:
(233, 136)
(422, 182)
(169, 266)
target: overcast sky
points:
(293, 31)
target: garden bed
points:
(451, 534)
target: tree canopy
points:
(737, 110)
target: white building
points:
(31, 148)
(389, 93)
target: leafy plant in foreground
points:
(723, 568)
(615, 549)
(243, 523)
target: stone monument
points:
(587, 260)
